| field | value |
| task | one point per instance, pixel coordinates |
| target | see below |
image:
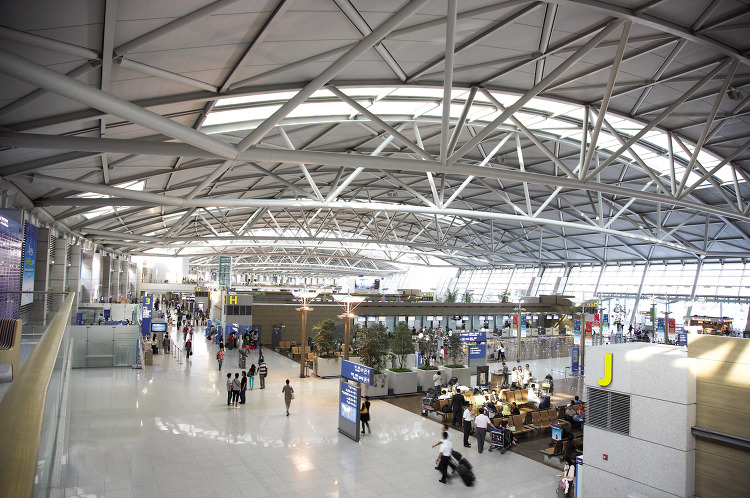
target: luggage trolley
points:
(502, 439)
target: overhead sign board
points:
(478, 352)
(473, 336)
(356, 372)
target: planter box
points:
(379, 387)
(402, 382)
(425, 378)
(327, 367)
(462, 374)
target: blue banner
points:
(349, 402)
(577, 332)
(148, 303)
(575, 357)
(29, 263)
(478, 352)
(356, 372)
(476, 336)
(523, 325)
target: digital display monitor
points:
(366, 283)
(158, 327)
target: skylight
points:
(421, 103)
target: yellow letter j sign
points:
(607, 380)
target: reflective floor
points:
(166, 430)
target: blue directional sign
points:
(356, 372)
(348, 402)
(475, 336)
(478, 352)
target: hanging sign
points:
(356, 372)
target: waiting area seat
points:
(10, 344)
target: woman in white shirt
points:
(568, 476)
(515, 380)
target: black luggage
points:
(465, 473)
(243, 361)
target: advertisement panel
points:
(577, 332)
(514, 330)
(672, 329)
(660, 330)
(29, 263)
(523, 326)
(589, 333)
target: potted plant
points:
(373, 346)
(326, 363)
(428, 348)
(456, 354)
(401, 379)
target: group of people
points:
(237, 386)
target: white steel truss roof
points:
(313, 135)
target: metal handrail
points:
(22, 408)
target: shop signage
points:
(475, 336)
(478, 352)
(607, 379)
(356, 372)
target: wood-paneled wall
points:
(722, 405)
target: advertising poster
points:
(523, 326)
(672, 329)
(660, 330)
(605, 324)
(589, 333)
(514, 330)
(29, 263)
(577, 332)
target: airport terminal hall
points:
(375, 248)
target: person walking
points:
(251, 375)
(364, 414)
(438, 380)
(502, 352)
(220, 357)
(243, 387)
(467, 427)
(165, 343)
(288, 395)
(262, 372)
(481, 423)
(444, 457)
(188, 349)
(236, 385)
(229, 389)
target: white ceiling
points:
(327, 158)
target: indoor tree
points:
(326, 338)
(455, 350)
(373, 346)
(401, 346)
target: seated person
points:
(490, 409)
(532, 395)
(570, 412)
(514, 410)
(493, 397)
(544, 404)
(577, 401)
(506, 410)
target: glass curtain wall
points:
(721, 290)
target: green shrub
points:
(326, 338)
(400, 369)
(427, 367)
(401, 344)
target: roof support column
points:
(638, 295)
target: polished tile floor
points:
(166, 431)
